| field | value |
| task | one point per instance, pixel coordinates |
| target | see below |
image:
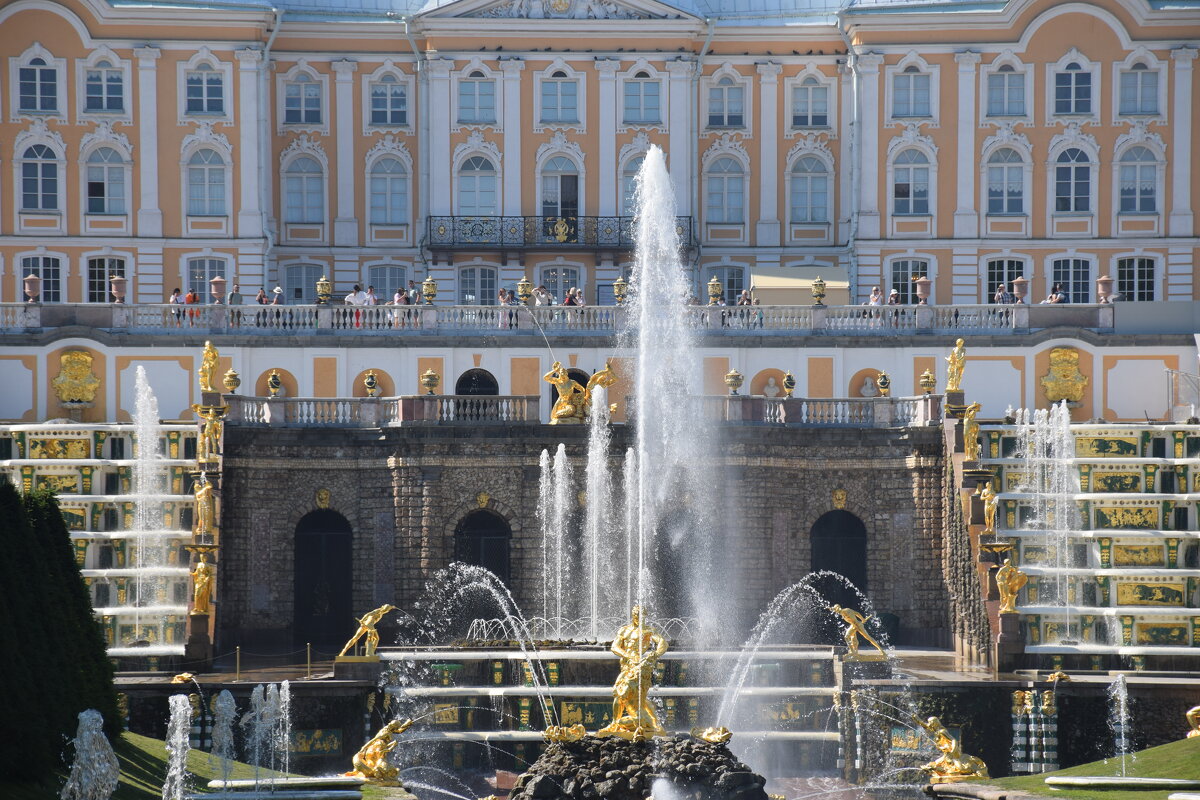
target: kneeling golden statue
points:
(953, 765)
(371, 762)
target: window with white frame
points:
(558, 279)
(1005, 182)
(1074, 277)
(104, 88)
(643, 101)
(49, 269)
(39, 179)
(477, 286)
(389, 101)
(725, 191)
(202, 270)
(733, 282)
(809, 190)
(1006, 92)
(387, 280)
(302, 101)
(1138, 179)
(1073, 90)
(810, 104)
(37, 83)
(629, 186)
(1139, 90)
(560, 98)
(389, 192)
(105, 182)
(910, 93)
(205, 89)
(304, 191)
(726, 104)
(904, 272)
(476, 99)
(206, 184)
(910, 183)
(1003, 271)
(477, 188)
(100, 271)
(300, 283)
(1135, 279)
(560, 188)
(1073, 181)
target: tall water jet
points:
(283, 736)
(223, 749)
(560, 536)
(178, 745)
(147, 508)
(1118, 719)
(599, 547)
(629, 487)
(95, 769)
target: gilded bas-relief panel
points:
(1150, 594)
(1039, 554)
(1143, 518)
(1162, 633)
(59, 448)
(1131, 555)
(63, 484)
(1115, 447)
(1116, 482)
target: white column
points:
(682, 157)
(251, 116)
(439, 136)
(966, 220)
(1182, 184)
(512, 69)
(606, 68)
(868, 160)
(149, 216)
(345, 225)
(768, 155)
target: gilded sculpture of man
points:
(371, 761)
(856, 626)
(206, 509)
(202, 585)
(605, 378)
(208, 367)
(1193, 721)
(987, 496)
(971, 432)
(366, 627)
(208, 445)
(639, 647)
(953, 763)
(569, 408)
(954, 366)
(1009, 581)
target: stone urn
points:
(1104, 289)
(1020, 288)
(118, 284)
(923, 286)
(216, 287)
(33, 288)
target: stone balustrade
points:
(443, 320)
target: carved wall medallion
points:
(324, 496)
(839, 499)
(75, 382)
(483, 498)
(1064, 381)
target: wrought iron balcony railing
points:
(540, 232)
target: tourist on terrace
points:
(893, 297)
(542, 296)
(1057, 295)
(876, 298)
(234, 298)
(261, 297)
(176, 299)
(371, 298)
(191, 299)
(1003, 296)
(744, 298)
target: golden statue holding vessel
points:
(208, 367)
(574, 402)
(1009, 581)
(639, 648)
(371, 761)
(953, 765)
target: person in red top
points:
(191, 299)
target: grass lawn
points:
(1175, 760)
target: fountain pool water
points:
(95, 769)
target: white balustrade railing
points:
(15, 316)
(968, 318)
(871, 319)
(482, 409)
(322, 411)
(837, 412)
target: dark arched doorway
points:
(483, 538)
(477, 381)
(323, 580)
(839, 544)
(577, 375)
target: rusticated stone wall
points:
(404, 490)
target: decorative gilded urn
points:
(231, 381)
(789, 384)
(430, 380)
(734, 380)
(274, 383)
(371, 382)
(928, 382)
(715, 290)
(324, 290)
(429, 290)
(524, 290)
(818, 291)
(884, 383)
(620, 290)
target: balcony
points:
(539, 233)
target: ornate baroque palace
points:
(944, 153)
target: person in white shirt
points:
(370, 299)
(357, 298)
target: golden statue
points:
(605, 378)
(371, 761)
(202, 585)
(954, 367)
(971, 432)
(1193, 720)
(208, 443)
(366, 627)
(856, 626)
(639, 648)
(1064, 381)
(953, 765)
(987, 496)
(569, 408)
(565, 733)
(1009, 581)
(719, 735)
(75, 382)
(208, 367)
(206, 509)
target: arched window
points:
(477, 286)
(300, 283)
(389, 192)
(910, 186)
(49, 269)
(205, 90)
(1006, 92)
(37, 86)
(733, 281)
(810, 104)
(642, 101)
(560, 188)
(201, 271)
(1073, 90)
(558, 279)
(726, 105)
(206, 184)
(1073, 181)
(477, 188)
(302, 101)
(99, 272)
(629, 186)
(477, 382)
(105, 182)
(1135, 279)
(560, 98)
(1139, 179)
(809, 190)
(910, 93)
(725, 192)
(483, 538)
(1005, 182)
(304, 200)
(39, 179)
(389, 101)
(1139, 90)
(476, 99)
(104, 88)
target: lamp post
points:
(430, 380)
(429, 290)
(734, 380)
(818, 291)
(715, 290)
(620, 290)
(324, 290)
(524, 290)
(928, 382)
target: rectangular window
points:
(389, 103)
(39, 183)
(560, 101)
(1002, 271)
(1139, 91)
(105, 190)
(476, 101)
(642, 102)
(1073, 91)
(38, 87)
(1135, 279)
(910, 95)
(810, 105)
(1006, 94)
(302, 103)
(1074, 275)
(904, 272)
(726, 105)
(99, 271)
(104, 90)
(1006, 189)
(1137, 188)
(49, 269)
(477, 286)
(205, 92)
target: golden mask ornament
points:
(75, 382)
(1064, 381)
(839, 499)
(323, 497)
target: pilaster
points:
(251, 119)
(1181, 221)
(867, 66)
(966, 219)
(511, 120)
(606, 68)
(345, 225)
(149, 216)
(440, 168)
(767, 233)
(682, 139)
